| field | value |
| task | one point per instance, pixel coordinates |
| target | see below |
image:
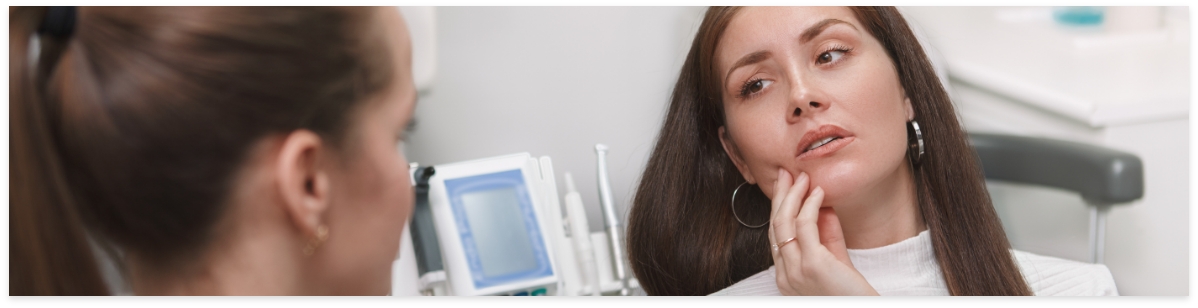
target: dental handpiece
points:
(611, 222)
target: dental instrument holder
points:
(1103, 177)
(611, 221)
(429, 266)
(580, 240)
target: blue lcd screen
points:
(498, 227)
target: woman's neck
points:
(887, 215)
(252, 253)
(239, 269)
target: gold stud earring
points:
(322, 234)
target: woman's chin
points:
(836, 192)
(831, 199)
(842, 180)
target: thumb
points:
(831, 236)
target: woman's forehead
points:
(755, 27)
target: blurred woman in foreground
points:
(247, 151)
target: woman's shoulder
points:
(1049, 276)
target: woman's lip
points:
(827, 149)
(844, 137)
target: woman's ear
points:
(303, 183)
(910, 109)
(734, 154)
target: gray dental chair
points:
(1103, 177)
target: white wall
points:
(554, 81)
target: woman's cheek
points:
(840, 179)
(403, 197)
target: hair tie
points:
(59, 22)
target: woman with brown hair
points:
(813, 151)
(213, 150)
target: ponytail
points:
(49, 252)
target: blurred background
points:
(556, 81)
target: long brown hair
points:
(128, 131)
(684, 240)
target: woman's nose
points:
(805, 99)
(798, 111)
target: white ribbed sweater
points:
(909, 268)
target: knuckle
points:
(795, 273)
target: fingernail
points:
(802, 176)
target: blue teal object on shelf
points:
(1078, 15)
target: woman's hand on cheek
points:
(816, 261)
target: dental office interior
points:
(583, 91)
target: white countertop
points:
(1095, 76)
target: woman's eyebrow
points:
(746, 60)
(805, 37)
(819, 27)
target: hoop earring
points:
(915, 148)
(734, 209)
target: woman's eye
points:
(830, 56)
(754, 86)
